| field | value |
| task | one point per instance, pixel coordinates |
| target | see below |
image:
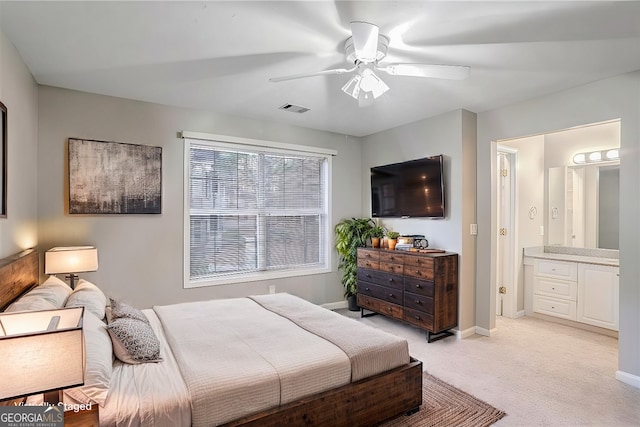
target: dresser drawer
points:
(380, 292)
(418, 302)
(378, 277)
(418, 272)
(391, 267)
(556, 269)
(419, 261)
(368, 253)
(555, 288)
(419, 286)
(554, 307)
(392, 257)
(368, 263)
(379, 306)
(418, 318)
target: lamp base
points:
(72, 279)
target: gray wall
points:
(141, 256)
(19, 93)
(453, 135)
(613, 98)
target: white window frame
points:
(225, 141)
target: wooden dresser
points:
(417, 288)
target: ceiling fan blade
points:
(316, 73)
(451, 72)
(365, 40)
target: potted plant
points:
(377, 233)
(392, 239)
(350, 234)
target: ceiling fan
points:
(366, 48)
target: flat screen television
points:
(409, 189)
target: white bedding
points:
(225, 359)
(148, 394)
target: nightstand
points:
(86, 418)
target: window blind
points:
(255, 210)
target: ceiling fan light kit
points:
(366, 48)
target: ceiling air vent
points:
(294, 108)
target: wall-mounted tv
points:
(409, 189)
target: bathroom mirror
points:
(583, 206)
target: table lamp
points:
(41, 352)
(70, 260)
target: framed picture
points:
(3, 161)
(114, 178)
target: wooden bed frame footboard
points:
(367, 402)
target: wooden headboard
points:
(18, 274)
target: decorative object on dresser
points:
(114, 178)
(350, 234)
(70, 260)
(417, 288)
(42, 352)
(392, 239)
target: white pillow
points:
(98, 365)
(89, 296)
(51, 294)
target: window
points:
(254, 211)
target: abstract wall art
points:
(114, 178)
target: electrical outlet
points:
(272, 289)
(474, 229)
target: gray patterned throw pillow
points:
(121, 309)
(134, 341)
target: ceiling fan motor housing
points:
(350, 52)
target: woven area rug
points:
(445, 405)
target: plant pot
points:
(392, 244)
(352, 300)
(375, 242)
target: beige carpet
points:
(445, 405)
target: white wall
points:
(450, 134)
(141, 256)
(609, 99)
(19, 93)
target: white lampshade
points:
(72, 259)
(41, 351)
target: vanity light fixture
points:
(596, 156)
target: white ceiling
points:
(219, 56)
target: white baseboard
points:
(519, 314)
(484, 332)
(627, 378)
(466, 333)
(335, 305)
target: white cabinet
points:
(587, 293)
(598, 295)
(555, 288)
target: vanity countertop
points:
(585, 259)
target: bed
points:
(265, 360)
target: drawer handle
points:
(418, 262)
(553, 289)
(366, 289)
(391, 295)
(390, 280)
(418, 272)
(552, 307)
(418, 302)
(418, 286)
(368, 276)
(417, 317)
(389, 308)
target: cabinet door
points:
(598, 295)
